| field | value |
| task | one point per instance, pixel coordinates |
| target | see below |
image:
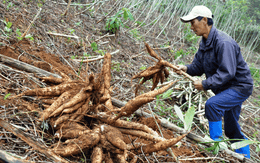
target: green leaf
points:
(112, 21)
(8, 29)
(216, 150)
(241, 144)
(167, 94)
(189, 118)
(94, 46)
(179, 113)
(78, 23)
(18, 32)
(257, 148)
(6, 96)
(130, 15)
(125, 15)
(9, 25)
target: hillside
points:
(75, 44)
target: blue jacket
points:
(219, 57)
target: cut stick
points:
(62, 35)
(35, 145)
(27, 30)
(67, 9)
(11, 158)
(25, 67)
(95, 59)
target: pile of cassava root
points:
(70, 101)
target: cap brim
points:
(187, 18)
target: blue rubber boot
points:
(244, 150)
(215, 130)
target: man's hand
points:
(198, 85)
(181, 68)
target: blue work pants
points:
(228, 104)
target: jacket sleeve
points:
(196, 67)
(226, 56)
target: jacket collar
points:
(207, 44)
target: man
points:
(227, 75)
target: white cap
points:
(201, 10)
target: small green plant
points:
(71, 30)
(19, 33)
(180, 53)
(39, 4)
(143, 68)
(101, 52)
(161, 105)
(115, 22)
(115, 66)
(189, 36)
(94, 46)
(29, 36)
(215, 148)
(73, 57)
(255, 74)
(10, 4)
(188, 118)
(8, 26)
(140, 23)
(84, 55)
(136, 34)
(44, 126)
(78, 23)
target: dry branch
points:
(26, 31)
(95, 59)
(7, 157)
(35, 145)
(62, 35)
(67, 9)
(25, 67)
